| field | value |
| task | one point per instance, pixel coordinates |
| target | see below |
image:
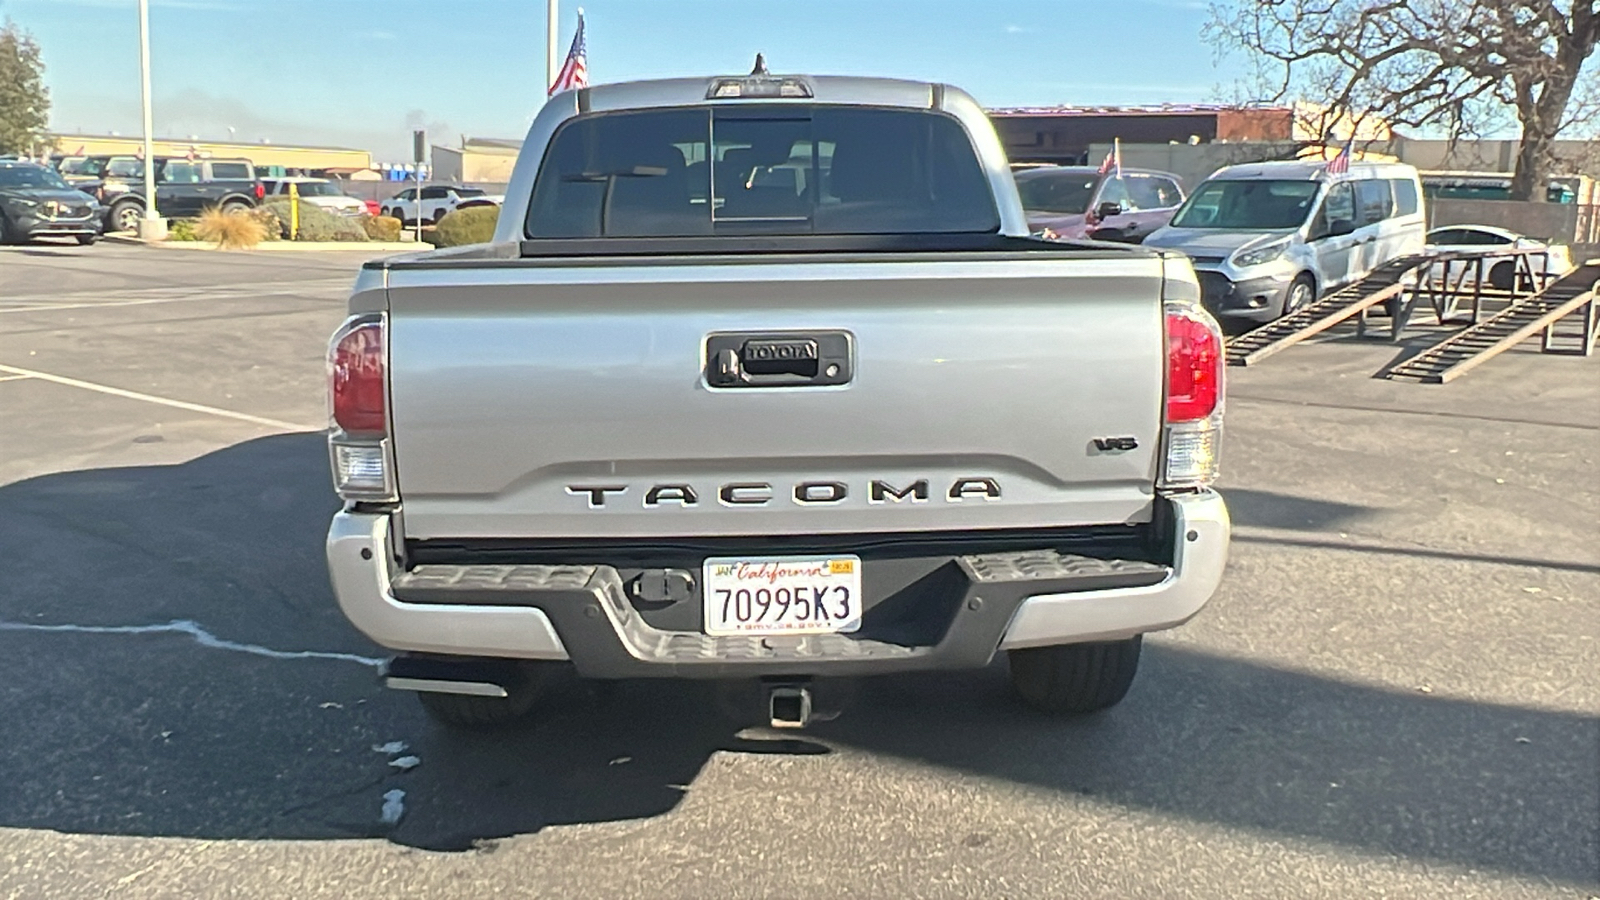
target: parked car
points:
(319, 192)
(1077, 202)
(1268, 238)
(184, 187)
(437, 200)
(1555, 261)
(883, 428)
(35, 202)
(87, 171)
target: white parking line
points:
(203, 637)
(109, 299)
(14, 377)
(164, 401)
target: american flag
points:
(1113, 160)
(1340, 164)
(575, 71)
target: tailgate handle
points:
(795, 359)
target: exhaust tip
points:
(789, 706)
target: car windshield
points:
(470, 192)
(1067, 193)
(30, 177)
(789, 170)
(318, 189)
(1248, 205)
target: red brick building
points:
(1063, 134)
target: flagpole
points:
(553, 36)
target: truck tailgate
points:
(520, 387)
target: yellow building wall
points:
(259, 154)
(489, 167)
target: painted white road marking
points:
(164, 401)
(148, 296)
(203, 637)
(14, 377)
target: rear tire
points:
(235, 206)
(87, 239)
(1075, 678)
(1503, 275)
(470, 712)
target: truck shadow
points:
(156, 734)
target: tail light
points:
(1195, 365)
(358, 404)
(261, 192)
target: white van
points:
(1268, 238)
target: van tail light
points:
(261, 192)
(358, 402)
(1196, 360)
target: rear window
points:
(1047, 191)
(761, 170)
(231, 172)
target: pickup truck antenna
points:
(761, 65)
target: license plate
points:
(782, 595)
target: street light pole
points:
(147, 228)
(552, 37)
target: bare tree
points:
(1462, 67)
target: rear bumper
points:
(581, 613)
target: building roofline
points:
(1163, 109)
(66, 136)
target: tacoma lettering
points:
(881, 491)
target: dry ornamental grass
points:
(235, 230)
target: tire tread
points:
(1076, 678)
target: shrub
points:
(381, 228)
(466, 226)
(230, 230)
(181, 230)
(269, 222)
(316, 224)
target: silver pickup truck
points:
(764, 378)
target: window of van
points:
(1340, 206)
(1376, 200)
(1405, 197)
(1248, 205)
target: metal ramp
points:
(1519, 321)
(1387, 282)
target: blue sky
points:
(362, 73)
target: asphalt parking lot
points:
(1393, 695)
